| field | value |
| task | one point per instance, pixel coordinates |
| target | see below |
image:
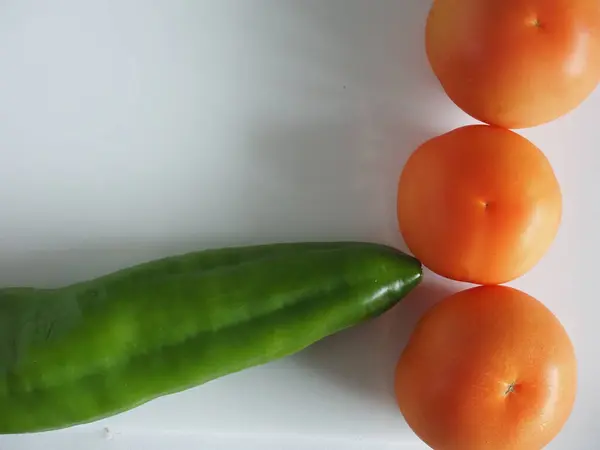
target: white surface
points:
(133, 129)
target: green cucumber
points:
(94, 349)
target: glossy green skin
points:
(94, 349)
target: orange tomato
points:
(515, 63)
(479, 204)
(489, 368)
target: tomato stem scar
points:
(510, 389)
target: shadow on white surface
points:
(332, 180)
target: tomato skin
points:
(515, 63)
(479, 204)
(489, 368)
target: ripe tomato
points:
(515, 63)
(489, 368)
(479, 204)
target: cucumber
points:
(94, 349)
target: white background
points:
(134, 129)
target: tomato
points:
(515, 63)
(489, 368)
(479, 204)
